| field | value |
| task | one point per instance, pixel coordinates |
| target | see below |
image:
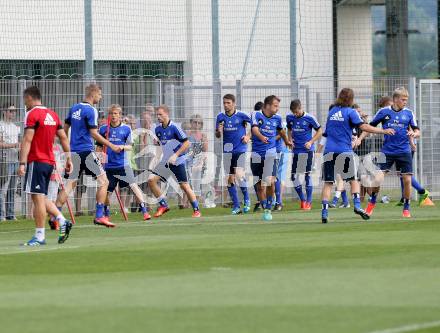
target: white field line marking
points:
(410, 328)
(24, 249)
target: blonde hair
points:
(115, 107)
(400, 92)
(91, 88)
(164, 107)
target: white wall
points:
(355, 52)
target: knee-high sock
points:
(324, 211)
(309, 187)
(234, 196)
(344, 197)
(419, 188)
(356, 200)
(244, 190)
(336, 198)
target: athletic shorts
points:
(403, 163)
(87, 162)
(264, 167)
(343, 164)
(232, 161)
(165, 171)
(122, 176)
(302, 163)
(38, 177)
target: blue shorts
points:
(165, 171)
(122, 176)
(38, 177)
(403, 163)
(264, 167)
(87, 162)
(302, 163)
(343, 164)
(232, 161)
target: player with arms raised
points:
(339, 158)
(396, 148)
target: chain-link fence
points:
(195, 107)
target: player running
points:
(82, 120)
(232, 124)
(41, 127)
(117, 165)
(175, 144)
(338, 153)
(396, 148)
(266, 124)
(300, 126)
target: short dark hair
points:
(258, 106)
(295, 104)
(345, 98)
(32, 91)
(269, 100)
(230, 97)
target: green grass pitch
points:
(226, 273)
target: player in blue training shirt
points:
(174, 144)
(82, 120)
(266, 125)
(232, 124)
(300, 127)
(117, 165)
(339, 158)
(396, 148)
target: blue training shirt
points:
(171, 138)
(81, 118)
(339, 129)
(119, 135)
(269, 127)
(234, 128)
(302, 128)
(400, 121)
